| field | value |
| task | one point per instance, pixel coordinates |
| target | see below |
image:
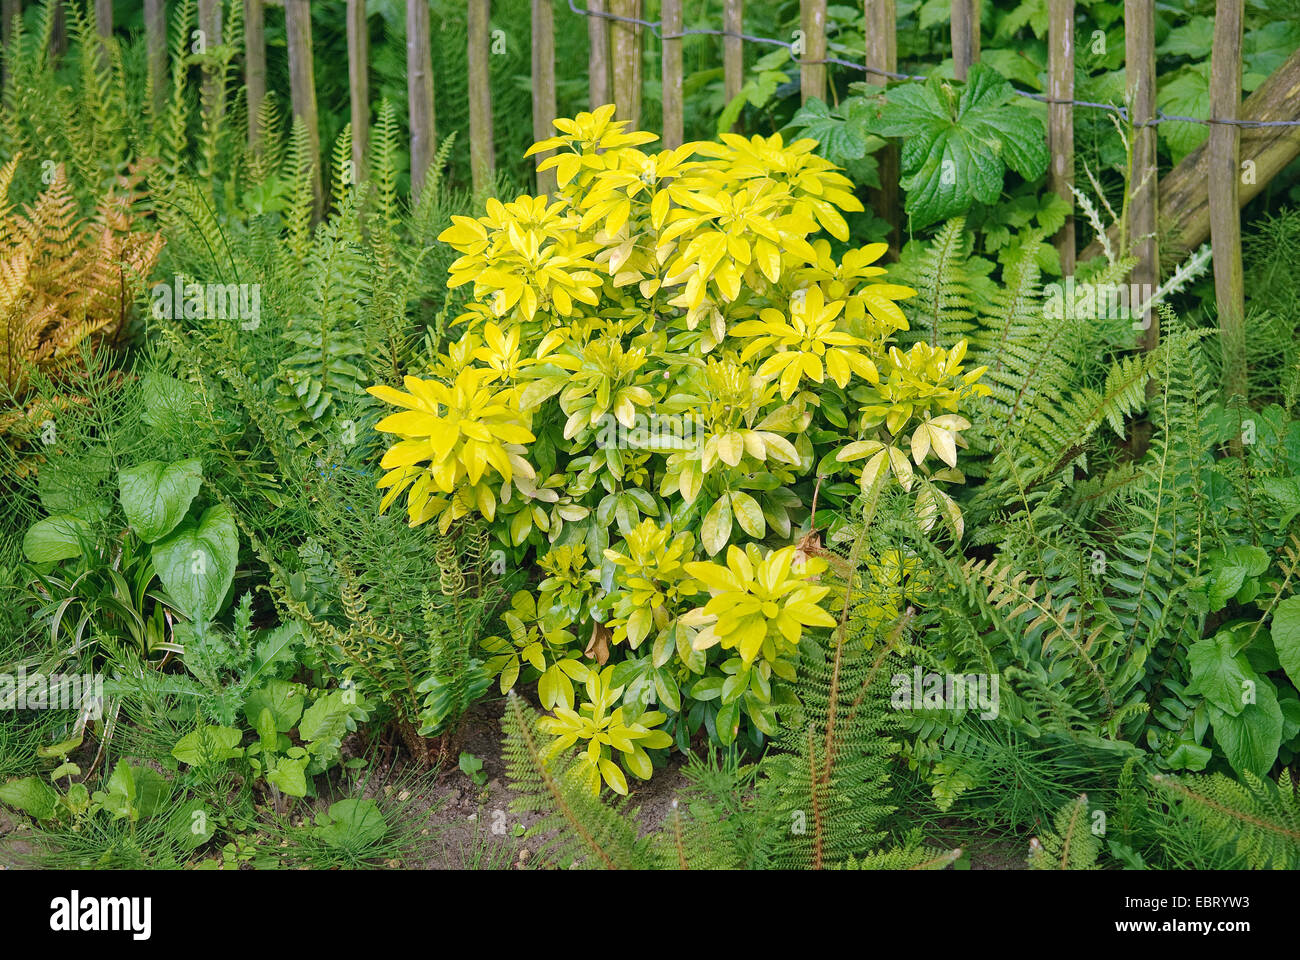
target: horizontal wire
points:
(1160, 117)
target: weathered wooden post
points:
(1060, 114)
(881, 32)
(482, 150)
(733, 48)
(1265, 152)
(627, 61)
(1225, 174)
(419, 91)
(674, 115)
(302, 86)
(812, 72)
(359, 85)
(965, 36)
(254, 67)
(1140, 60)
(544, 86)
(155, 30)
(58, 34)
(9, 9)
(598, 57)
(210, 28)
(104, 26)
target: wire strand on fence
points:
(655, 26)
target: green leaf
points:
(352, 825)
(31, 795)
(1251, 739)
(290, 776)
(166, 400)
(1219, 673)
(716, 529)
(208, 744)
(1185, 94)
(1286, 636)
(55, 538)
(1189, 756)
(956, 150)
(326, 718)
(155, 495)
(841, 132)
(196, 562)
(1287, 494)
(282, 698)
(748, 513)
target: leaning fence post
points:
(880, 29)
(965, 36)
(1060, 113)
(482, 151)
(302, 85)
(254, 68)
(812, 71)
(359, 85)
(598, 57)
(674, 121)
(627, 61)
(419, 91)
(1140, 65)
(544, 86)
(1224, 179)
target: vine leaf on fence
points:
(958, 145)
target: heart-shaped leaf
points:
(196, 562)
(55, 538)
(156, 495)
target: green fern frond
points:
(1261, 818)
(1073, 846)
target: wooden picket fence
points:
(1201, 197)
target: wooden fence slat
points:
(1060, 114)
(1140, 62)
(302, 85)
(733, 48)
(1265, 152)
(598, 58)
(358, 30)
(1224, 181)
(482, 149)
(210, 25)
(104, 27)
(58, 34)
(544, 86)
(674, 114)
(812, 73)
(155, 28)
(419, 91)
(626, 56)
(9, 9)
(965, 36)
(880, 30)
(254, 67)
